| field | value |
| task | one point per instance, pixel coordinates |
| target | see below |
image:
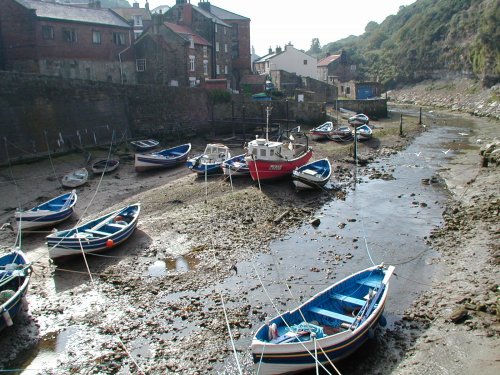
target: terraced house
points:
(66, 41)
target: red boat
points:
(275, 159)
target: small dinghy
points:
(167, 158)
(364, 132)
(105, 166)
(358, 119)
(144, 145)
(235, 166)
(313, 175)
(15, 273)
(210, 161)
(100, 234)
(48, 213)
(322, 131)
(328, 327)
(75, 178)
(341, 134)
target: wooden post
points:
(420, 117)
(356, 144)
(401, 126)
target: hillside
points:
(428, 39)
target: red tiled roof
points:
(185, 31)
(327, 60)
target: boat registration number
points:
(275, 167)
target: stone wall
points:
(371, 107)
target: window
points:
(137, 34)
(119, 39)
(205, 67)
(347, 90)
(215, 27)
(47, 32)
(191, 63)
(225, 47)
(205, 51)
(305, 62)
(96, 37)
(191, 42)
(217, 69)
(192, 81)
(216, 46)
(225, 69)
(225, 30)
(140, 65)
(69, 35)
(137, 20)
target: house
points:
(336, 68)
(139, 18)
(228, 34)
(67, 41)
(172, 54)
(360, 90)
(291, 60)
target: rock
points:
(315, 222)
(458, 315)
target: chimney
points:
(135, 5)
(147, 5)
(270, 50)
(205, 5)
(98, 4)
(278, 49)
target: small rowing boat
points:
(75, 178)
(105, 166)
(48, 213)
(15, 274)
(315, 174)
(166, 158)
(96, 235)
(143, 145)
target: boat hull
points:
(235, 167)
(22, 276)
(275, 169)
(41, 216)
(85, 239)
(75, 178)
(341, 317)
(168, 158)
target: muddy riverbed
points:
(156, 304)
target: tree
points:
(315, 47)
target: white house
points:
(290, 60)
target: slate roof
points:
(225, 14)
(213, 17)
(71, 13)
(328, 60)
(184, 32)
(129, 13)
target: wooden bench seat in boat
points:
(116, 225)
(331, 314)
(354, 301)
(97, 232)
(372, 283)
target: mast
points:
(268, 113)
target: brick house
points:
(172, 54)
(228, 45)
(139, 18)
(336, 68)
(67, 41)
(360, 90)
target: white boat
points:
(48, 213)
(209, 163)
(358, 119)
(322, 131)
(75, 178)
(326, 328)
(315, 174)
(364, 132)
(235, 166)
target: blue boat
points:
(15, 273)
(315, 174)
(143, 145)
(235, 166)
(48, 213)
(328, 327)
(209, 163)
(97, 235)
(166, 158)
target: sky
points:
(278, 22)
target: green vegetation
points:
(424, 38)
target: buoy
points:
(110, 243)
(8, 319)
(118, 218)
